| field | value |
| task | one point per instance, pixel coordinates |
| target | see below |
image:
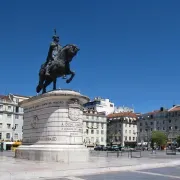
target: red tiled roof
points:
(4, 97)
(175, 108)
(153, 112)
(122, 114)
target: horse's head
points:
(69, 51)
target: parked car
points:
(115, 148)
(98, 148)
(106, 148)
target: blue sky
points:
(130, 50)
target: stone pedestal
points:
(53, 127)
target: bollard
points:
(2, 147)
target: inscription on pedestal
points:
(43, 105)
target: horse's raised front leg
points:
(54, 84)
(72, 76)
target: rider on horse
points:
(52, 53)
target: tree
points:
(159, 138)
(178, 140)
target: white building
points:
(123, 109)
(122, 129)
(11, 117)
(94, 128)
(100, 105)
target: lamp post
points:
(147, 127)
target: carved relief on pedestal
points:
(74, 109)
(34, 121)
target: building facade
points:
(11, 117)
(100, 105)
(165, 120)
(122, 129)
(123, 109)
(94, 128)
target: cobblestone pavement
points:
(167, 173)
(99, 167)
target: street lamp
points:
(147, 127)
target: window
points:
(97, 140)
(92, 139)
(151, 123)
(158, 128)
(92, 131)
(97, 125)
(111, 105)
(151, 129)
(7, 135)
(97, 131)
(140, 124)
(170, 127)
(102, 125)
(102, 139)
(129, 131)
(1, 125)
(125, 131)
(9, 115)
(87, 130)
(125, 137)
(0, 135)
(163, 128)
(129, 125)
(140, 130)
(163, 122)
(17, 109)
(169, 121)
(9, 107)
(16, 136)
(133, 138)
(102, 132)
(16, 116)
(129, 138)
(176, 127)
(16, 126)
(8, 126)
(1, 107)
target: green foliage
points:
(159, 138)
(178, 140)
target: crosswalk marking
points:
(156, 174)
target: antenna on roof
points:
(5, 91)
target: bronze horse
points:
(59, 67)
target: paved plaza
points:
(100, 166)
(165, 173)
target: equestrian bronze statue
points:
(57, 64)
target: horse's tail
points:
(38, 88)
(41, 79)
